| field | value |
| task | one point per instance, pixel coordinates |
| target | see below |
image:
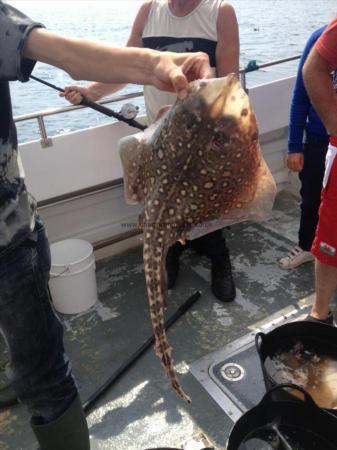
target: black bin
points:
(301, 424)
(310, 334)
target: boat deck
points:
(141, 410)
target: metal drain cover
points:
(232, 372)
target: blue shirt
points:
(303, 117)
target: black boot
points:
(223, 286)
(68, 432)
(172, 263)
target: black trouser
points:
(211, 245)
(311, 185)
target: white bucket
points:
(72, 276)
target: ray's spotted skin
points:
(198, 168)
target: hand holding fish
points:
(173, 71)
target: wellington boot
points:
(172, 264)
(68, 432)
(223, 286)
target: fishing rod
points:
(97, 107)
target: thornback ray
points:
(198, 168)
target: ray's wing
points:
(131, 150)
(255, 203)
(243, 188)
(139, 163)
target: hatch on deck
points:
(232, 375)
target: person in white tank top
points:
(209, 26)
(182, 26)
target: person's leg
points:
(311, 187)
(311, 178)
(39, 369)
(325, 248)
(213, 245)
(326, 284)
(172, 263)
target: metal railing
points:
(39, 116)
(252, 66)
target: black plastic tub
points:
(300, 424)
(314, 338)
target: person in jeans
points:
(184, 25)
(39, 369)
(308, 159)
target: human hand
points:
(173, 71)
(295, 161)
(75, 94)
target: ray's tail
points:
(155, 274)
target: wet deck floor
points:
(141, 410)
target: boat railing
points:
(252, 66)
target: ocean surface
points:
(269, 30)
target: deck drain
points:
(232, 372)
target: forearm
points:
(316, 76)
(228, 46)
(227, 66)
(107, 63)
(101, 62)
(297, 121)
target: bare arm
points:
(317, 80)
(96, 90)
(228, 48)
(166, 71)
(107, 63)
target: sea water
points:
(269, 30)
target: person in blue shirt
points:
(307, 158)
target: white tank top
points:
(197, 31)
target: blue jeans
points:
(39, 369)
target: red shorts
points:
(324, 246)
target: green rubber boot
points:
(68, 432)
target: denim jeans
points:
(39, 369)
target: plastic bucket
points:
(72, 276)
(319, 336)
(300, 424)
